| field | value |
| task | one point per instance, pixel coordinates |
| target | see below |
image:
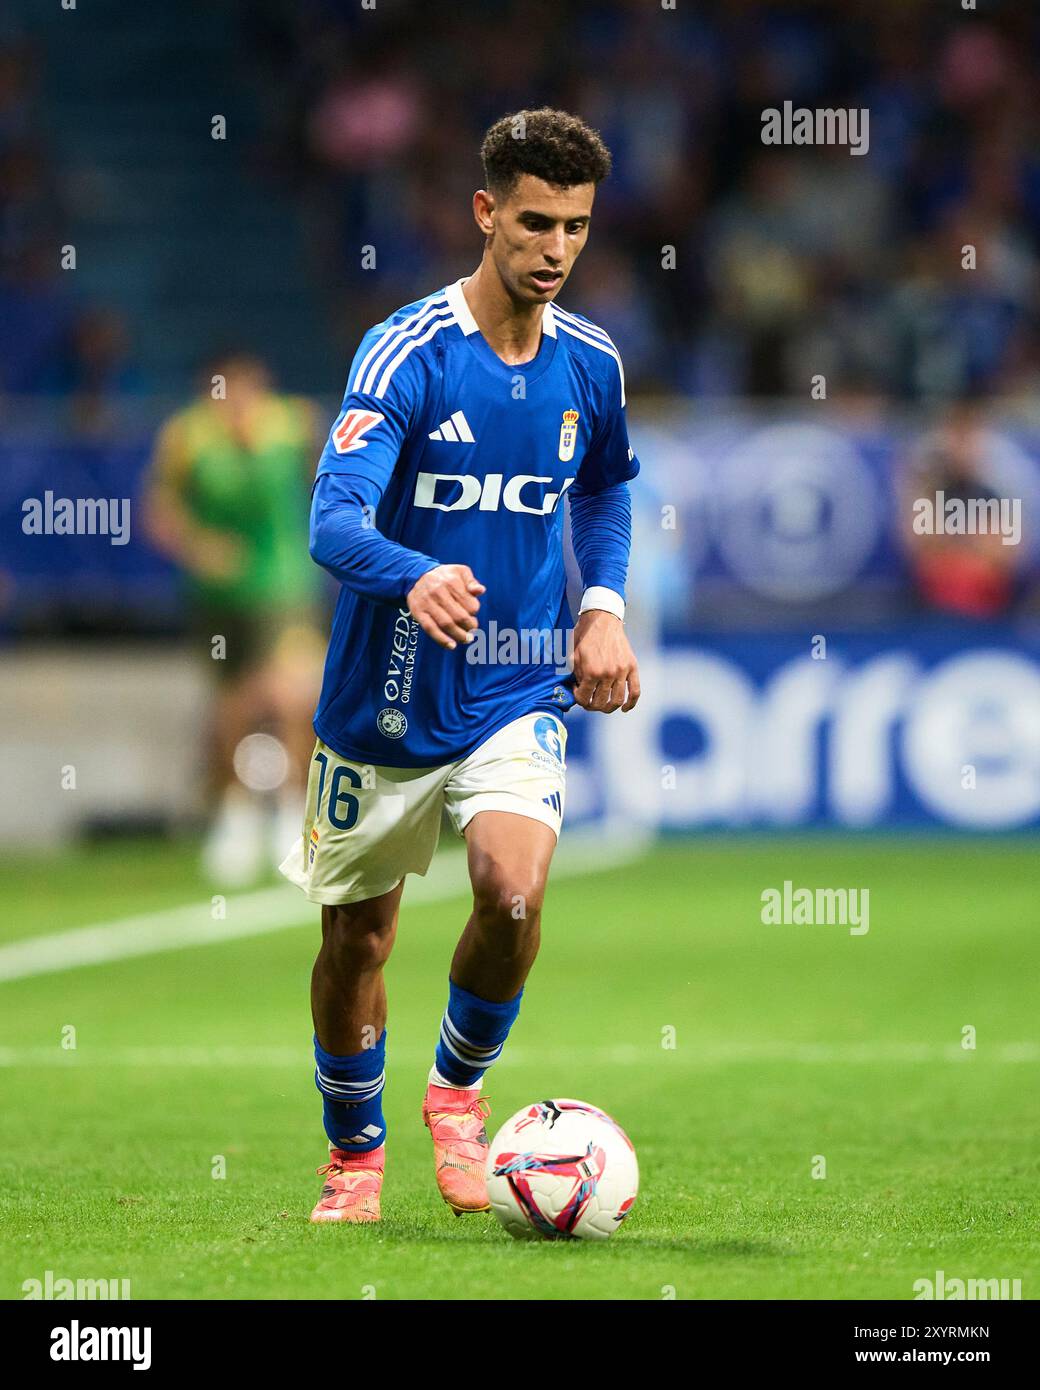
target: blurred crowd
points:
(50, 342)
(788, 261)
(723, 267)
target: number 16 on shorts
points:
(343, 807)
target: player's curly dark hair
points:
(551, 145)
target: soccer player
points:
(226, 500)
(438, 505)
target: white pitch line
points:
(262, 911)
(618, 1054)
(248, 914)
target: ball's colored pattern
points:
(562, 1170)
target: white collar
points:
(458, 306)
(464, 315)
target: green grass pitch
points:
(790, 1042)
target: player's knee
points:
(356, 936)
(506, 893)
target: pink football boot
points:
(352, 1186)
(460, 1145)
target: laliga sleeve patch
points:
(348, 434)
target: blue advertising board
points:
(933, 727)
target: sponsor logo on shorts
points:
(315, 837)
(391, 723)
(547, 734)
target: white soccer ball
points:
(562, 1170)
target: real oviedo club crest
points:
(568, 435)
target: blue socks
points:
(352, 1089)
(473, 1033)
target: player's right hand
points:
(444, 603)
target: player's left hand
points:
(606, 676)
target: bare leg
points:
(348, 995)
(509, 858)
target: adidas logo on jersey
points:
(456, 430)
(555, 802)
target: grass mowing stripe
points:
(256, 913)
(618, 1055)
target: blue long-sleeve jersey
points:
(444, 454)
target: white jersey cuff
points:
(608, 600)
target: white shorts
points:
(365, 827)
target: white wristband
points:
(608, 600)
